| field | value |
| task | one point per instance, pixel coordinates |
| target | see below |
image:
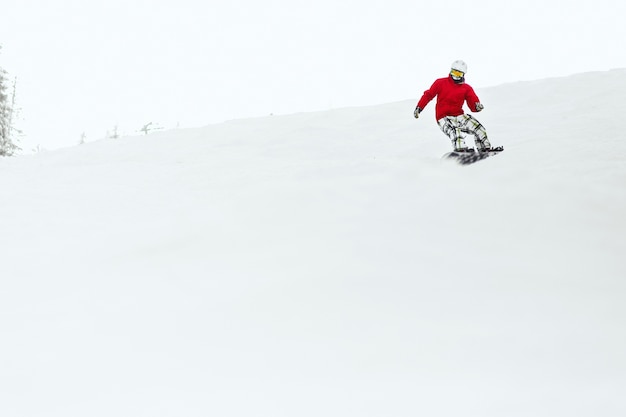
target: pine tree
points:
(7, 105)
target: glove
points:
(416, 113)
(479, 107)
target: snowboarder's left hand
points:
(479, 107)
(416, 113)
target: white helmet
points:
(459, 65)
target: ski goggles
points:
(457, 73)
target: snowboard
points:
(467, 158)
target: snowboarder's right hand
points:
(416, 113)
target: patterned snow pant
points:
(455, 127)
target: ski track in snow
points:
(325, 264)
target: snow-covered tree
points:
(7, 107)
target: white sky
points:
(87, 66)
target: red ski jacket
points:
(450, 97)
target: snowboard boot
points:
(483, 145)
(459, 145)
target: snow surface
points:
(325, 264)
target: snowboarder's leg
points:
(450, 126)
(470, 125)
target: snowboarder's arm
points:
(429, 95)
(472, 100)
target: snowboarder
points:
(451, 93)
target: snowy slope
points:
(325, 264)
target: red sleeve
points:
(429, 94)
(471, 98)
